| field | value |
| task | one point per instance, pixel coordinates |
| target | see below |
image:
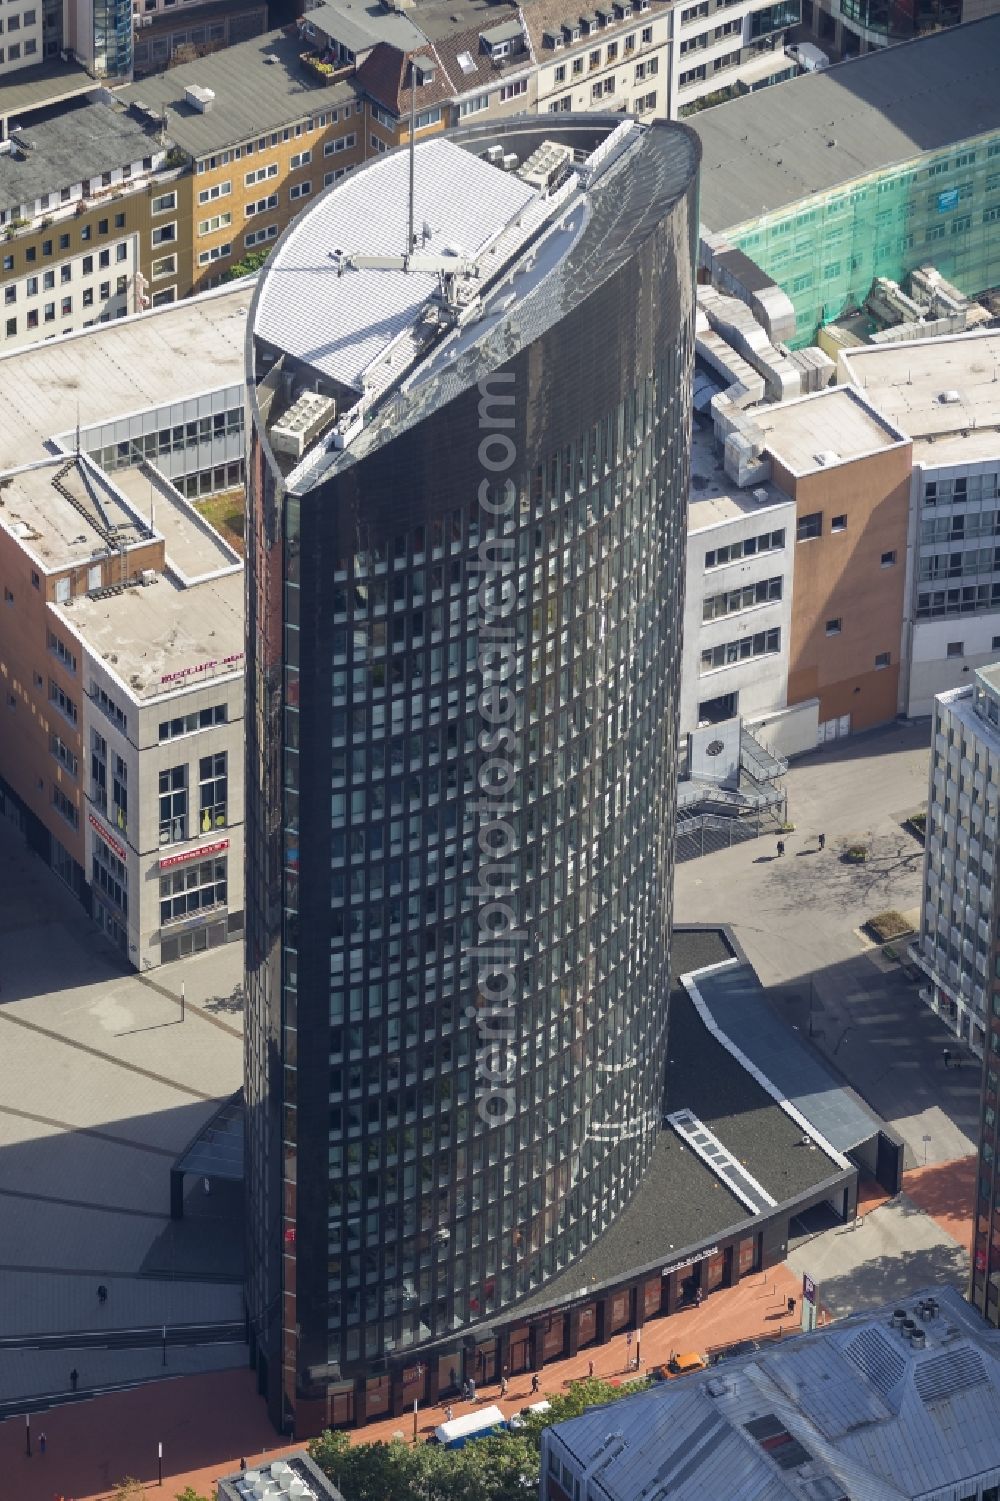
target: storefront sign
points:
(808, 1289)
(199, 854)
(111, 842)
(191, 672)
(677, 1266)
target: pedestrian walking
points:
(947, 1057)
(590, 1370)
(504, 1384)
(42, 1443)
(102, 1293)
(472, 1389)
(466, 1391)
(698, 1296)
(74, 1377)
(535, 1385)
(781, 847)
(448, 1414)
(243, 1466)
(822, 841)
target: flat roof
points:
(907, 381)
(33, 88)
(463, 200)
(680, 1203)
(259, 85)
(778, 146)
(360, 27)
(713, 497)
(129, 365)
(146, 634)
(193, 546)
(829, 427)
(734, 997)
(857, 1409)
(83, 141)
(64, 510)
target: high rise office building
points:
(470, 391)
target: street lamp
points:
(27, 1434)
(159, 1464)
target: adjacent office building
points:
(956, 922)
(465, 558)
(121, 761)
(942, 393)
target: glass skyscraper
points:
(467, 476)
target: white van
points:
(461, 1431)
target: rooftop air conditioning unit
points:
(149, 576)
(199, 98)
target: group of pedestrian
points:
(820, 840)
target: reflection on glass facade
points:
(462, 727)
(113, 38)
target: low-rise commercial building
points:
(122, 644)
(900, 1402)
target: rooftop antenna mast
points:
(413, 158)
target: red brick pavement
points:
(207, 1422)
(946, 1191)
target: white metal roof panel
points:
(340, 325)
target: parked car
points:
(740, 1347)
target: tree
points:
(503, 1468)
(248, 265)
(190, 1494)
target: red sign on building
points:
(109, 840)
(198, 854)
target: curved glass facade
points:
(466, 725)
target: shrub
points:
(856, 854)
(887, 925)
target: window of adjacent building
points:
(732, 601)
(187, 724)
(217, 222)
(300, 159)
(883, 659)
(110, 876)
(834, 627)
(217, 253)
(888, 559)
(173, 805)
(66, 757)
(59, 648)
(299, 190)
(192, 888)
(61, 700)
(760, 644)
(107, 704)
(212, 781)
(956, 649)
(63, 805)
(99, 771)
(119, 794)
(119, 221)
(164, 203)
(165, 233)
(217, 190)
(348, 142)
(809, 526)
(165, 266)
(838, 524)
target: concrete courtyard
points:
(798, 918)
(103, 1086)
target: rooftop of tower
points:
(353, 330)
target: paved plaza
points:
(798, 918)
(103, 1086)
